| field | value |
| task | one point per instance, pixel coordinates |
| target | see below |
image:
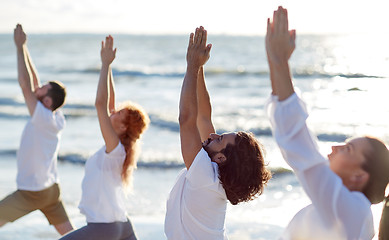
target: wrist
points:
(105, 64)
(20, 47)
(278, 62)
(193, 67)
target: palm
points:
(107, 52)
(20, 36)
(198, 51)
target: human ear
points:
(47, 102)
(219, 157)
(359, 180)
(123, 127)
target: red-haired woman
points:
(108, 172)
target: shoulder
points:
(203, 172)
(118, 154)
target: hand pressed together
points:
(280, 41)
(198, 51)
(107, 52)
(20, 36)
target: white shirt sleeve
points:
(203, 172)
(333, 201)
(113, 161)
(46, 119)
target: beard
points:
(210, 152)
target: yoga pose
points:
(341, 187)
(37, 177)
(218, 167)
(109, 171)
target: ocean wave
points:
(4, 101)
(134, 73)
(213, 71)
(159, 165)
(160, 122)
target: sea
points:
(344, 80)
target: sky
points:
(236, 17)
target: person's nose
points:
(335, 148)
(214, 136)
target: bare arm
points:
(102, 96)
(35, 79)
(25, 77)
(204, 120)
(111, 105)
(280, 44)
(197, 56)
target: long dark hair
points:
(384, 223)
(243, 175)
(377, 165)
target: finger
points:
(196, 36)
(200, 36)
(102, 44)
(275, 21)
(278, 23)
(268, 31)
(283, 24)
(106, 42)
(110, 42)
(286, 19)
(191, 36)
(208, 48)
(114, 52)
(292, 34)
(204, 38)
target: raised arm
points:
(197, 55)
(280, 44)
(34, 73)
(25, 76)
(107, 53)
(111, 105)
(204, 121)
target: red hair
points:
(136, 122)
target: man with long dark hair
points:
(218, 167)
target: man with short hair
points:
(37, 178)
(218, 167)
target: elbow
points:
(100, 103)
(186, 119)
(182, 118)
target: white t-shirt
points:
(102, 199)
(335, 212)
(38, 151)
(196, 207)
